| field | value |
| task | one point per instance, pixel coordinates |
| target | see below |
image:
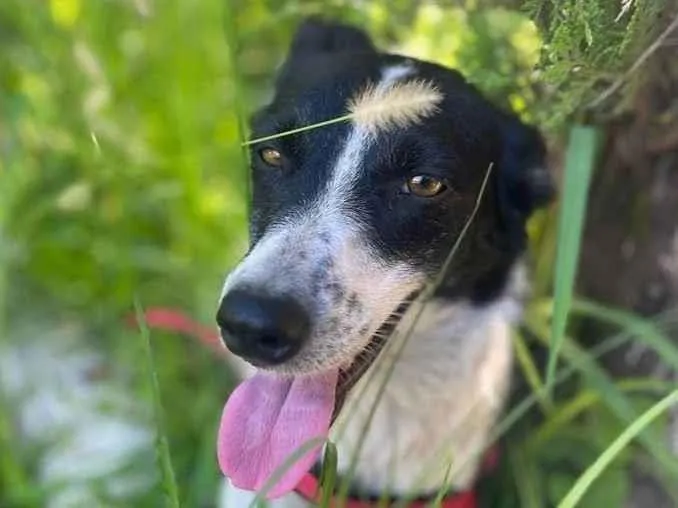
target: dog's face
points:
(351, 219)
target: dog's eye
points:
(271, 156)
(424, 186)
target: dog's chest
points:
(435, 411)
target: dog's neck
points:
(438, 405)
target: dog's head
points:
(351, 218)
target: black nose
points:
(262, 329)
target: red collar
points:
(309, 489)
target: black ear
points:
(524, 181)
(318, 46)
(317, 35)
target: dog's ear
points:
(317, 35)
(314, 43)
(524, 181)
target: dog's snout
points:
(261, 329)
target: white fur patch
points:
(445, 392)
(349, 164)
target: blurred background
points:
(122, 182)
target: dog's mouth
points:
(273, 428)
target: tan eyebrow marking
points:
(398, 104)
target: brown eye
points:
(271, 156)
(424, 186)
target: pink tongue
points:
(266, 420)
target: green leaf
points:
(579, 162)
(169, 482)
(328, 476)
(527, 478)
(530, 371)
(644, 330)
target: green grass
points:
(164, 457)
(328, 476)
(123, 140)
(579, 164)
(15, 474)
(239, 98)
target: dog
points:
(384, 275)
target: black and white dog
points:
(350, 223)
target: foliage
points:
(586, 45)
(122, 177)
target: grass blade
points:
(526, 479)
(299, 130)
(438, 500)
(295, 457)
(644, 330)
(580, 158)
(169, 482)
(530, 370)
(238, 97)
(595, 470)
(328, 476)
